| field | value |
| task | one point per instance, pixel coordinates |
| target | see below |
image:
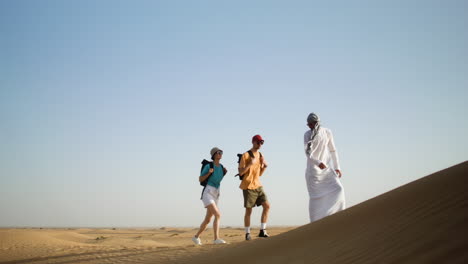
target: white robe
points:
(326, 194)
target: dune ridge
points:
(424, 221)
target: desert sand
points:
(81, 245)
(421, 222)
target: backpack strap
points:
(252, 155)
(201, 196)
(224, 170)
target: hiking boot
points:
(263, 233)
(247, 236)
(197, 241)
(219, 241)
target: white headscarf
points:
(310, 119)
(314, 118)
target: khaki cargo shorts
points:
(254, 197)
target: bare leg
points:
(266, 210)
(213, 209)
(205, 223)
(248, 213)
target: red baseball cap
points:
(257, 138)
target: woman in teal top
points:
(210, 196)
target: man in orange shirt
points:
(251, 166)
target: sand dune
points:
(421, 222)
(425, 221)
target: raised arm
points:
(206, 172)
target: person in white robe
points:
(326, 193)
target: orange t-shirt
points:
(251, 179)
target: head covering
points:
(313, 118)
(310, 119)
(257, 138)
(214, 150)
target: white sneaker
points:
(197, 241)
(219, 241)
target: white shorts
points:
(210, 195)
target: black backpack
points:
(204, 162)
(239, 156)
(205, 182)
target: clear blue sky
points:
(108, 107)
